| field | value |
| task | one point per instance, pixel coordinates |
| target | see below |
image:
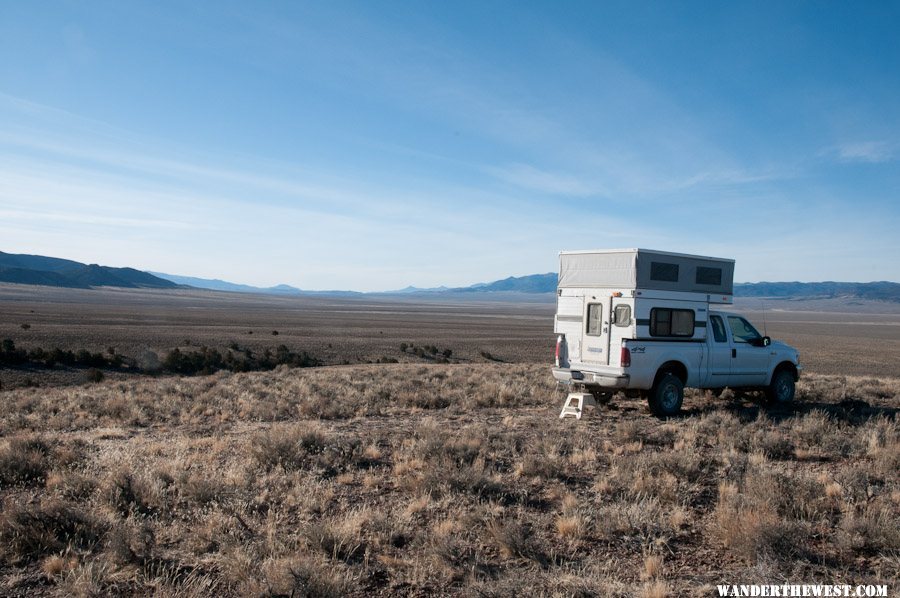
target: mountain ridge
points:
(216, 284)
(50, 271)
(882, 290)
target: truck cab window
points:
(718, 328)
(742, 330)
(594, 313)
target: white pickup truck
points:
(621, 331)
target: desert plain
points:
(424, 456)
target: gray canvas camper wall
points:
(643, 269)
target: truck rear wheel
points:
(667, 395)
(782, 388)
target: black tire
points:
(781, 389)
(666, 396)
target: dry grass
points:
(451, 479)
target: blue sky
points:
(374, 145)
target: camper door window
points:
(671, 322)
(622, 315)
(594, 314)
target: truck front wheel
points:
(782, 388)
(666, 395)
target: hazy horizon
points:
(187, 279)
(373, 147)
(237, 282)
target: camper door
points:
(621, 327)
(569, 322)
(595, 333)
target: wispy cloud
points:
(100, 195)
(633, 139)
(867, 151)
(90, 219)
(535, 179)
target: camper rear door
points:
(621, 326)
(595, 343)
(569, 322)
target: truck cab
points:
(739, 356)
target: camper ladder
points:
(575, 403)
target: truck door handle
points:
(734, 353)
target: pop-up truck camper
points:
(651, 323)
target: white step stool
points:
(575, 403)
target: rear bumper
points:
(568, 375)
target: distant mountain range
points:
(214, 284)
(879, 291)
(56, 272)
(535, 283)
(50, 271)
(546, 283)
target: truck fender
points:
(674, 361)
(673, 366)
(645, 376)
(784, 365)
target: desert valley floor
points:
(442, 473)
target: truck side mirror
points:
(763, 341)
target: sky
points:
(375, 145)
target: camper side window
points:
(710, 276)
(664, 271)
(622, 315)
(671, 322)
(594, 312)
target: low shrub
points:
(30, 531)
(24, 461)
(93, 375)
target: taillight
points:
(625, 357)
(559, 340)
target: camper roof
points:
(654, 251)
(646, 269)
